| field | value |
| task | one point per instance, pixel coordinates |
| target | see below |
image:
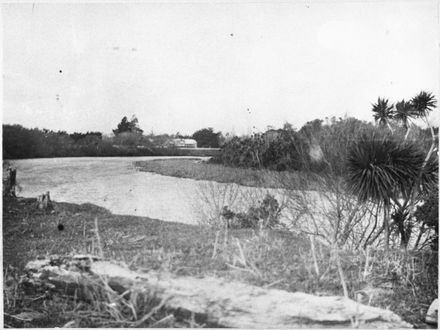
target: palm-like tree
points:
(383, 112)
(423, 103)
(404, 112)
(380, 169)
(386, 171)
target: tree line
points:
(128, 139)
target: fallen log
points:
(432, 313)
(214, 301)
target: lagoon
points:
(115, 184)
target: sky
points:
(238, 67)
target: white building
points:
(184, 143)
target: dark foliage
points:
(20, 142)
(404, 111)
(78, 136)
(128, 126)
(428, 214)
(265, 215)
(381, 167)
(283, 151)
(423, 103)
(289, 150)
(403, 227)
(383, 111)
(206, 138)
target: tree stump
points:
(44, 202)
(10, 182)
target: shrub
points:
(266, 215)
(428, 215)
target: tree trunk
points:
(421, 232)
(213, 301)
(404, 237)
(386, 224)
(407, 129)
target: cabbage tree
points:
(383, 112)
(380, 169)
(404, 112)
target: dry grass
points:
(273, 259)
(201, 170)
(99, 307)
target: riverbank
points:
(203, 170)
(272, 259)
(140, 242)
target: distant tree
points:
(383, 112)
(288, 126)
(178, 135)
(127, 139)
(206, 138)
(78, 136)
(20, 142)
(128, 126)
(160, 140)
(311, 128)
(423, 103)
(335, 140)
(404, 112)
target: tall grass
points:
(403, 281)
(334, 248)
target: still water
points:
(114, 183)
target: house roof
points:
(186, 141)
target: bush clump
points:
(265, 215)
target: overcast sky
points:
(185, 66)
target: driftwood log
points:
(432, 313)
(214, 301)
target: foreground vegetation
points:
(204, 170)
(404, 282)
